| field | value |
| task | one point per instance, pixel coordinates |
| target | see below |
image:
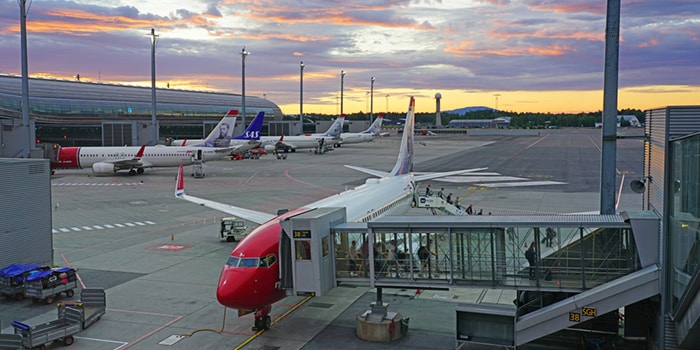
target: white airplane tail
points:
(220, 136)
(336, 128)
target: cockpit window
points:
(251, 262)
(232, 261)
(268, 261)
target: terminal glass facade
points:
(684, 215)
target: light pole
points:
(25, 77)
(342, 77)
(371, 100)
(301, 97)
(387, 104)
(154, 123)
(244, 53)
(496, 95)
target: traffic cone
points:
(172, 236)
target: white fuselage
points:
(156, 156)
(375, 198)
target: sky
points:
(513, 55)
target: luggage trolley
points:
(46, 285)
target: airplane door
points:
(199, 155)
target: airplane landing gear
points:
(262, 319)
(263, 323)
(132, 172)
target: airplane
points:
(365, 136)
(292, 143)
(250, 138)
(249, 280)
(134, 159)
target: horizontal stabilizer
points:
(431, 176)
(373, 172)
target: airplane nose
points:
(233, 290)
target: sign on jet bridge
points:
(301, 233)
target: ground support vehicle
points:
(46, 285)
(11, 342)
(232, 229)
(13, 278)
(73, 317)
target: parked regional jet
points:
(250, 278)
(134, 159)
(292, 143)
(250, 138)
(366, 136)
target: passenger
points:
(441, 193)
(548, 237)
(457, 203)
(531, 257)
(481, 212)
(469, 210)
(424, 254)
(428, 190)
(449, 198)
(352, 258)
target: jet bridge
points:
(591, 265)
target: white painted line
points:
(129, 224)
(109, 226)
(63, 229)
(150, 222)
(53, 231)
(119, 225)
(522, 184)
(75, 228)
(140, 223)
(171, 340)
(122, 343)
(98, 227)
(87, 228)
(473, 179)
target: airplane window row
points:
(379, 212)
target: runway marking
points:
(521, 184)
(111, 184)
(121, 343)
(101, 227)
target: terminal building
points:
(75, 113)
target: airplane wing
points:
(246, 214)
(418, 178)
(431, 176)
(134, 162)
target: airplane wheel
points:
(266, 322)
(139, 170)
(132, 172)
(230, 239)
(258, 324)
(49, 300)
(70, 293)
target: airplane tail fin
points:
(376, 126)
(404, 162)
(179, 183)
(254, 129)
(337, 127)
(220, 136)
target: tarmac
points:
(159, 258)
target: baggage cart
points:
(47, 285)
(61, 330)
(13, 278)
(92, 305)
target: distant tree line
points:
(522, 120)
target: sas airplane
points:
(134, 159)
(250, 138)
(292, 143)
(365, 136)
(250, 279)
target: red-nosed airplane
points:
(134, 159)
(250, 279)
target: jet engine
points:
(103, 168)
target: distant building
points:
(500, 123)
(632, 119)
